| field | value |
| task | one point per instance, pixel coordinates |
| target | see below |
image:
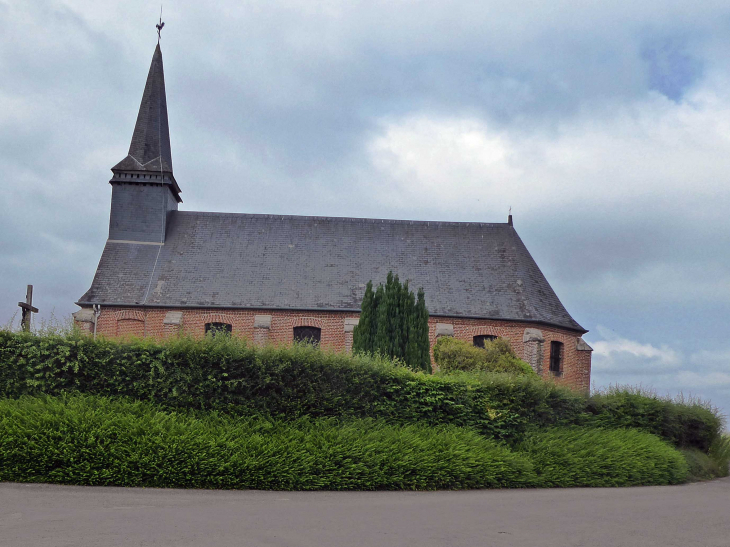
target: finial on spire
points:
(159, 26)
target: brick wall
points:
(531, 342)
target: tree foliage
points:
(497, 355)
(394, 323)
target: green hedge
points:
(91, 440)
(684, 425)
(227, 375)
(568, 457)
(98, 441)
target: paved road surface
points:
(46, 515)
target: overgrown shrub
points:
(720, 455)
(97, 441)
(581, 456)
(700, 465)
(225, 374)
(497, 355)
(685, 424)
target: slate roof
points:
(150, 146)
(318, 263)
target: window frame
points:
(482, 338)
(315, 341)
(556, 358)
(214, 328)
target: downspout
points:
(97, 313)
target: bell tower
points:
(144, 190)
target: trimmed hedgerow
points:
(90, 440)
(580, 456)
(453, 355)
(686, 425)
(226, 374)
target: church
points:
(280, 278)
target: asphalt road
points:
(46, 515)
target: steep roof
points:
(150, 146)
(319, 263)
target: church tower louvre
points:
(144, 190)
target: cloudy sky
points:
(604, 125)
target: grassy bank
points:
(91, 440)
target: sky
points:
(605, 126)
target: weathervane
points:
(159, 26)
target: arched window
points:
(481, 338)
(130, 328)
(311, 335)
(214, 329)
(556, 358)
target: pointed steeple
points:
(149, 150)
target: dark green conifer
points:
(394, 323)
(421, 335)
(381, 342)
(413, 355)
(362, 336)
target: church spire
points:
(149, 150)
(150, 147)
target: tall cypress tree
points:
(381, 342)
(394, 323)
(421, 334)
(395, 315)
(404, 319)
(413, 355)
(362, 336)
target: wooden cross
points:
(27, 308)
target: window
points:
(311, 335)
(556, 358)
(215, 329)
(480, 339)
(130, 327)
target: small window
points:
(556, 358)
(214, 329)
(310, 335)
(479, 340)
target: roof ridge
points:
(344, 219)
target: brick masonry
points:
(529, 340)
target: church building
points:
(280, 278)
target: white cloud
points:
(649, 155)
(618, 354)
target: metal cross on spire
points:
(159, 26)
